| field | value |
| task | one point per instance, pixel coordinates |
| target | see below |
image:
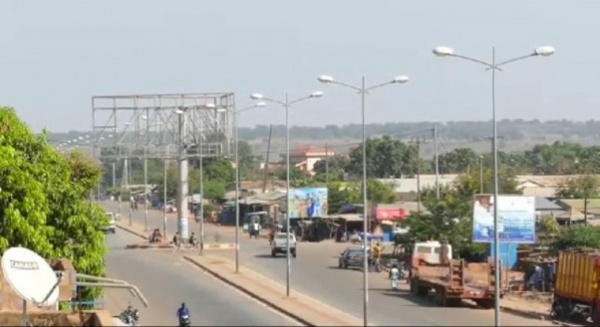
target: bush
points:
(43, 200)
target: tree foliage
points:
(218, 173)
(582, 187)
(577, 237)
(386, 158)
(450, 217)
(43, 200)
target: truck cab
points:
(431, 253)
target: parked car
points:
(351, 258)
(112, 223)
(279, 244)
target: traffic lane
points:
(156, 220)
(315, 273)
(166, 280)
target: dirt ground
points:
(478, 275)
(46, 319)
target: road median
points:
(139, 232)
(306, 310)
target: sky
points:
(55, 55)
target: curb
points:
(131, 231)
(253, 295)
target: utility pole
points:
(114, 176)
(418, 168)
(437, 162)
(267, 159)
(326, 164)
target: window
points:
(423, 250)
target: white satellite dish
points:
(30, 276)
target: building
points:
(407, 188)
(306, 156)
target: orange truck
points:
(577, 287)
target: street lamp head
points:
(210, 106)
(400, 79)
(443, 51)
(221, 110)
(316, 94)
(256, 96)
(545, 51)
(144, 117)
(326, 79)
(179, 111)
(260, 104)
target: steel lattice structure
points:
(151, 122)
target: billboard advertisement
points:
(308, 202)
(516, 218)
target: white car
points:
(279, 244)
(112, 223)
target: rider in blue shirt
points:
(183, 311)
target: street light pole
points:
(448, 52)
(201, 176)
(237, 183)
(287, 104)
(363, 90)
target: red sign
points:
(390, 213)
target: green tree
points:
(450, 217)
(246, 158)
(337, 165)
(339, 193)
(577, 237)
(386, 158)
(583, 187)
(44, 200)
(378, 192)
(458, 161)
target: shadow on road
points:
(418, 301)
(268, 256)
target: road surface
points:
(166, 280)
(315, 273)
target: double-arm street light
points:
(287, 104)
(364, 90)
(237, 182)
(494, 66)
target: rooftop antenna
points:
(31, 277)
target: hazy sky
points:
(54, 55)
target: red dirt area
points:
(47, 319)
(477, 274)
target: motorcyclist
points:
(182, 312)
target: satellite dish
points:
(30, 276)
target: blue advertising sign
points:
(308, 202)
(516, 219)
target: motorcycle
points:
(130, 316)
(184, 321)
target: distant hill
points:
(460, 130)
(516, 135)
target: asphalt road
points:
(315, 273)
(166, 280)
